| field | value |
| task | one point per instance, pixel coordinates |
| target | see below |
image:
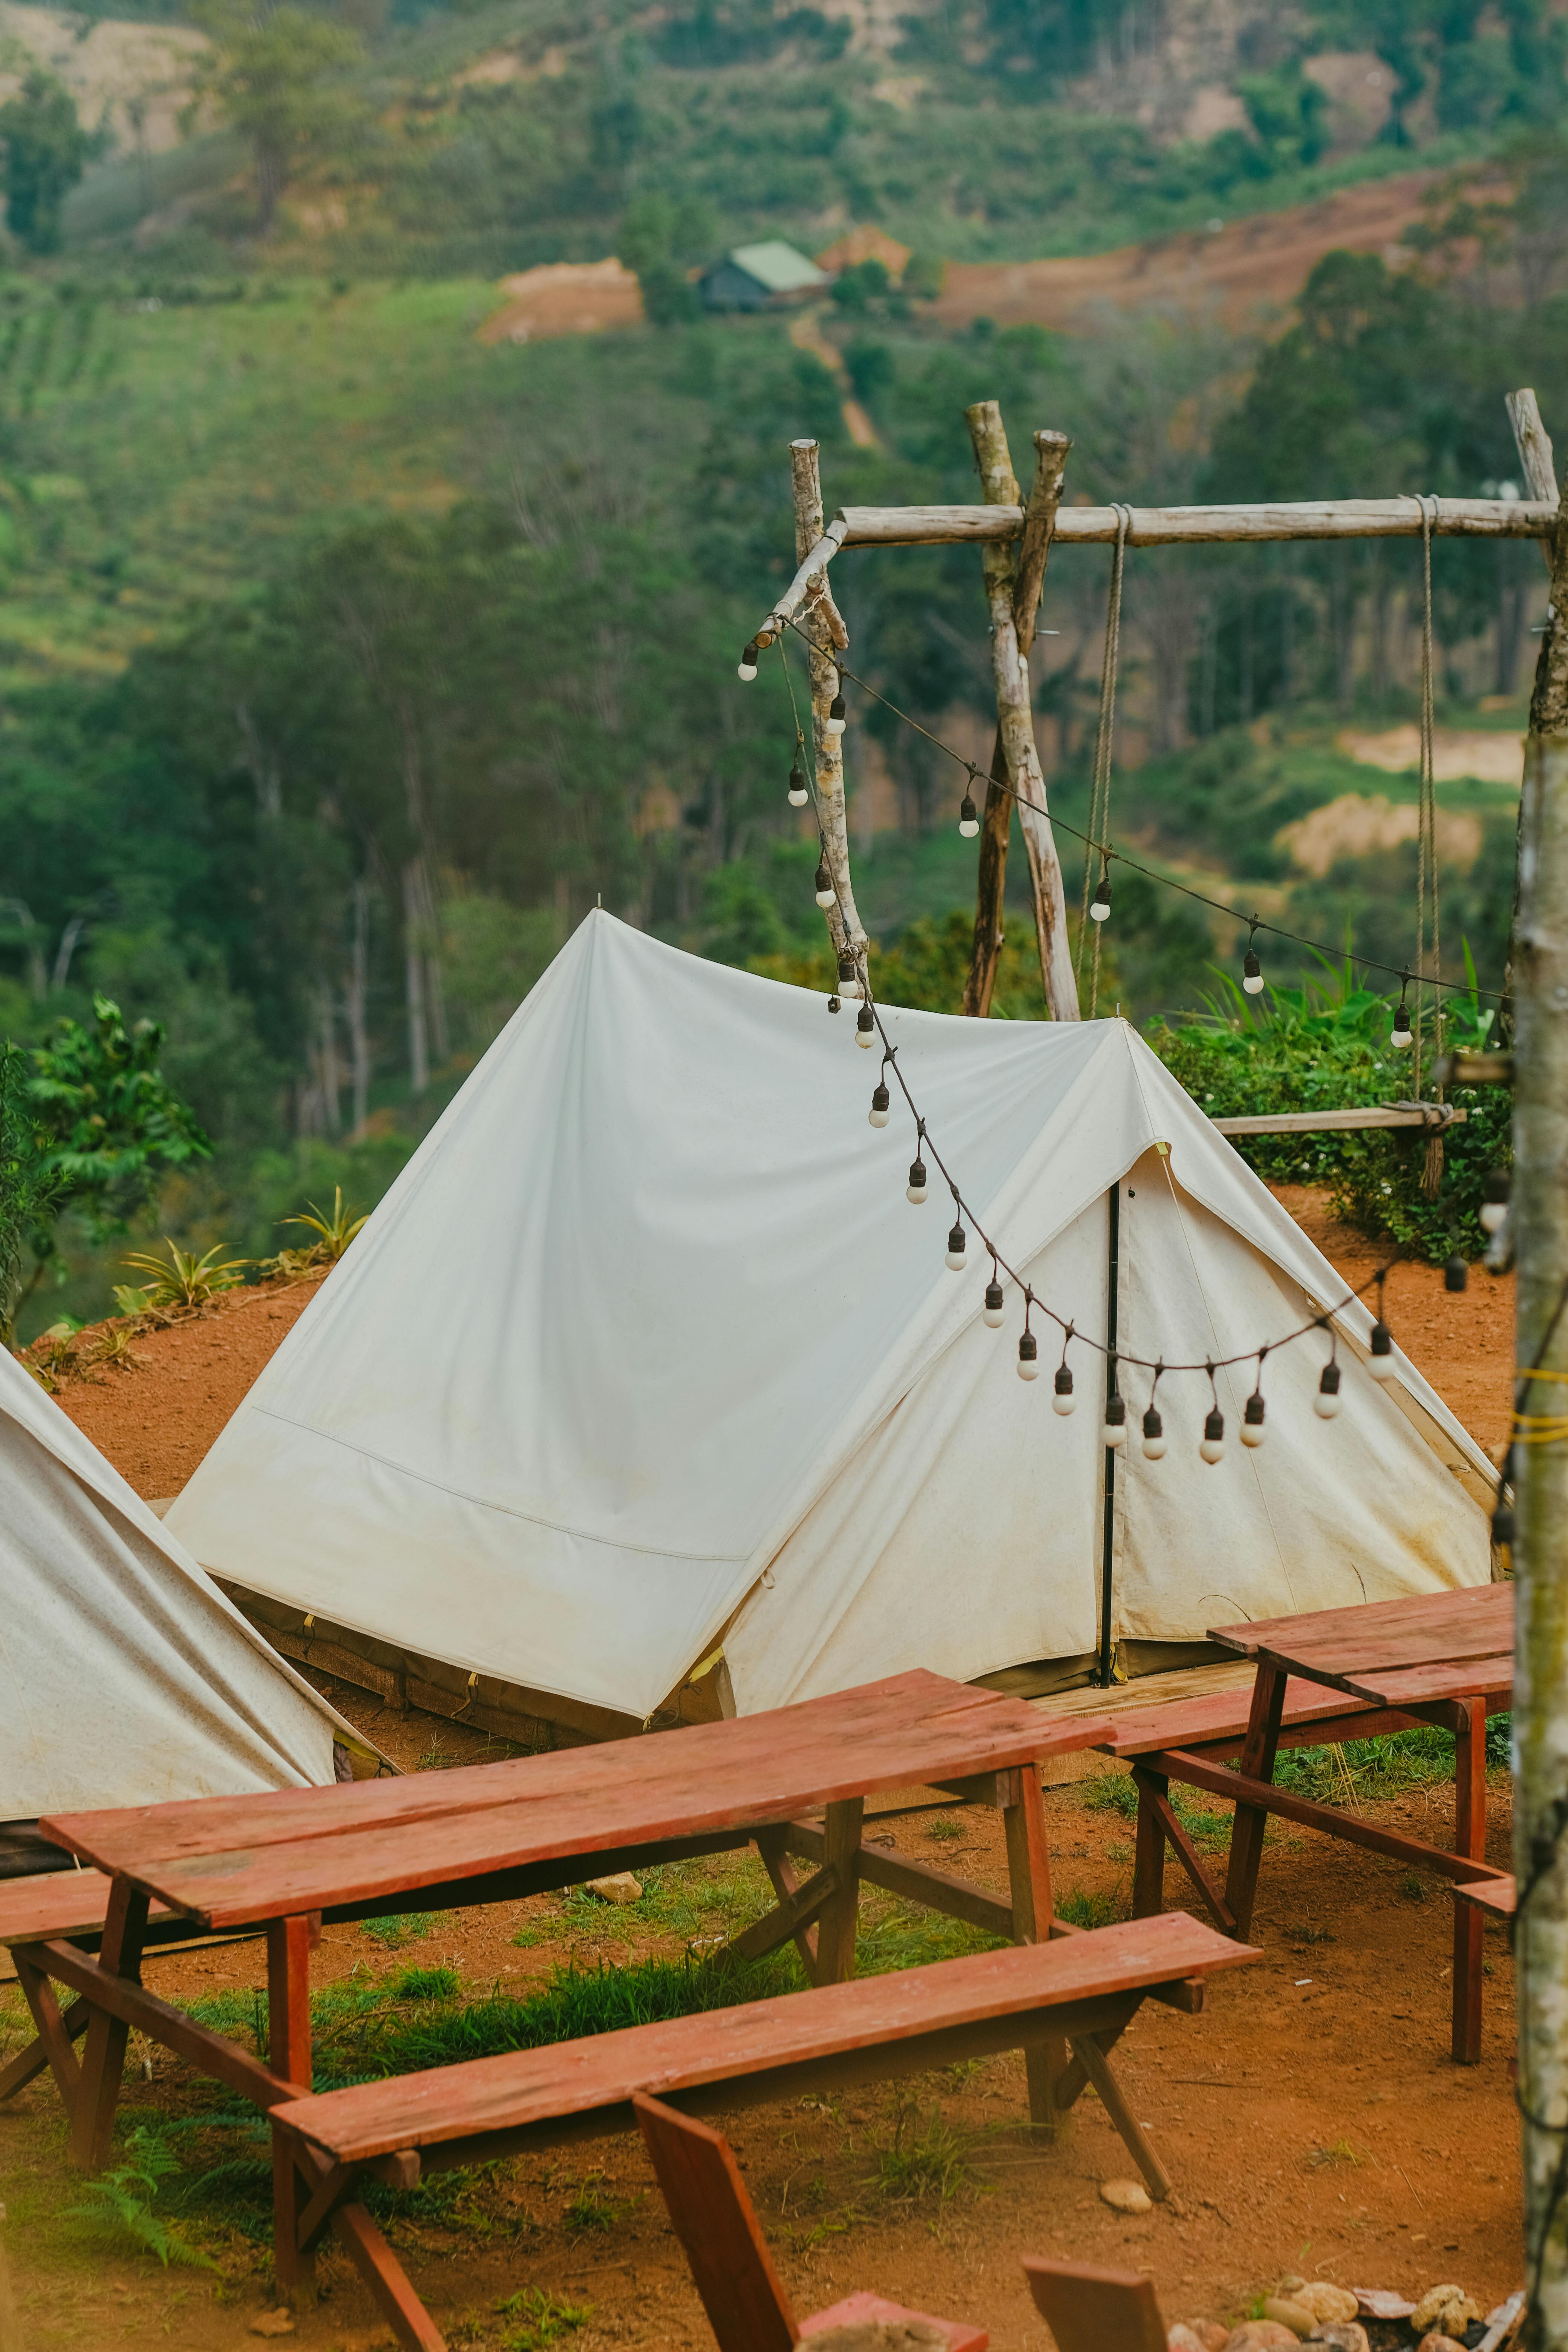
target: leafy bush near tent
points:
(1326, 1049)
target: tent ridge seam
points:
(506, 1510)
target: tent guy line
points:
(858, 967)
(1253, 923)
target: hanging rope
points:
(1099, 799)
(1427, 929)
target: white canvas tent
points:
(646, 1349)
(126, 1677)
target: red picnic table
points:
(496, 1832)
(1335, 1674)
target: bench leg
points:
(1469, 1838)
(1029, 1880)
(1097, 2067)
(289, 2056)
(103, 2058)
(55, 2033)
(1149, 1852)
(836, 1924)
(1258, 1763)
(391, 2290)
(769, 1843)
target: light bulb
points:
(881, 1107)
(1063, 1398)
(1455, 1274)
(968, 823)
(1114, 1431)
(1381, 1364)
(1494, 1204)
(797, 786)
(1028, 1358)
(865, 1027)
(916, 1190)
(1099, 905)
(1251, 973)
(824, 890)
(1402, 1035)
(1212, 1445)
(1154, 1436)
(996, 1312)
(836, 715)
(1252, 1430)
(746, 667)
(1326, 1404)
(955, 1256)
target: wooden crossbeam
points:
(1206, 526)
(1177, 1764)
(1315, 1123)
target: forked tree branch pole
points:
(823, 628)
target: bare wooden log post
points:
(826, 633)
(1539, 466)
(1032, 551)
(1014, 718)
(1540, 1219)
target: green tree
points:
(47, 151)
(270, 74)
(88, 1122)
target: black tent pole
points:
(1107, 1555)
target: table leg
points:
(289, 2056)
(1029, 1879)
(1251, 1822)
(1149, 1851)
(103, 2058)
(1469, 1838)
(837, 1927)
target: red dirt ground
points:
(1311, 2118)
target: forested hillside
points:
(346, 658)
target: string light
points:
(797, 785)
(835, 715)
(1099, 905)
(826, 893)
(1401, 1035)
(1211, 1448)
(1064, 1399)
(968, 821)
(1455, 1274)
(1381, 1364)
(864, 1027)
(1493, 1211)
(746, 667)
(1251, 970)
(1028, 1345)
(1151, 874)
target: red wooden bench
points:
(716, 2222)
(1091, 2310)
(1083, 1988)
(69, 1905)
(1498, 1897)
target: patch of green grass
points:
(545, 2317)
(426, 1984)
(1110, 1793)
(1080, 1908)
(907, 1937)
(591, 2206)
(1341, 2152)
(924, 2159)
(1117, 1792)
(1413, 1889)
(408, 1927)
(944, 1828)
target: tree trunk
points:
(331, 1078)
(843, 919)
(1539, 1216)
(414, 980)
(1016, 719)
(354, 1004)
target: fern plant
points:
(121, 2204)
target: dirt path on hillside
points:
(1246, 266)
